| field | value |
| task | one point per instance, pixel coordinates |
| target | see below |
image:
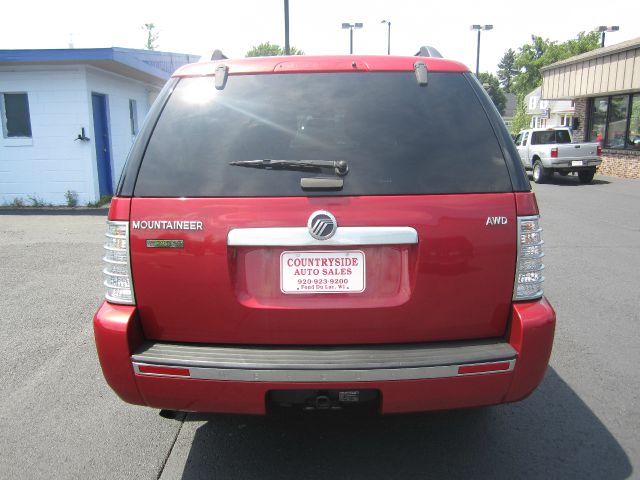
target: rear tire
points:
(540, 174)
(586, 176)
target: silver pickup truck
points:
(548, 150)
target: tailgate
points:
(578, 151)
(456, 282)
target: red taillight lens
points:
(161, 370)
(554, 152)
(599, 150)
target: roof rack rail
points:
(427, 51)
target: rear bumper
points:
(409, 378)
(567, 165)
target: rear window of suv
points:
(397, 137)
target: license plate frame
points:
(305, 272)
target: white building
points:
(549, 113)
(70, 116)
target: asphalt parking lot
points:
(58, 418)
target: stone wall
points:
(581, 114)
(620, 163)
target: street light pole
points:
(388, 36)
(287, 49)
(602, 29)
(351, 41)
(479, 28)
(351, 26)
(478, 56)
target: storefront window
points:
(615, 121)
(598, 119)
(634, 125)
(618, 110)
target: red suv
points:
(323, 232)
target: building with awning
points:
(605, 86)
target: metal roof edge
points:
(599, 52)
(133, 58)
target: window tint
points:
(15, 115)
(397, 137)
(550, 137)
(563, 136)
(518, 139)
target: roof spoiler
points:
(218, 55)
(213, 55)
(427, 51)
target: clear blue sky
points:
(234, 26)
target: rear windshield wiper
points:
(340, 166)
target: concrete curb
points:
(98, 212)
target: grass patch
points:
(103, 199)
(71, 197)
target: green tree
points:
(532, 57)
(521, 119)
(530, 60)
(507, 70)
(152, 36)
(267, 49)
(492, 85)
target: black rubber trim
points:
(127, 181)
(519, 179)
(358, 357)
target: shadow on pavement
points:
(552, 434)
(572, 181)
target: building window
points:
(634, 124)
(538, 122)
(615, 121)
(133, 117)
(598, 119)
(566, 120)
(16, 122)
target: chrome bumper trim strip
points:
(300, 237)
(320, 376)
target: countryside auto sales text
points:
(324, 266)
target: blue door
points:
(101, 132)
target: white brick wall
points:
(60, 105)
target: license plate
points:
(576, 163)
(322, 272)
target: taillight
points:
(117, 270)
(599, 150)
(554, 152)
(529, 278)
